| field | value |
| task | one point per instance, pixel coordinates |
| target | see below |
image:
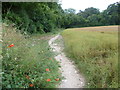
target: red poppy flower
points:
(47, 69)
(57, 79)
(11, 45)
(48, 80)
(31, 85)
(27, 77)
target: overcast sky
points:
(83, 4)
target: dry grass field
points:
(95, 52)
(99, 28)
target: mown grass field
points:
(95, 52)
(27, 61)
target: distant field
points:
(99, 28)
(95, 52)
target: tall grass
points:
(25, 64)
(95, 54)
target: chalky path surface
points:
(73, 79)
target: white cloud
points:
(83, 4)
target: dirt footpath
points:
(73, 79)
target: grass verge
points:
(27, 61)
(95, 53)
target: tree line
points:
(43, 17)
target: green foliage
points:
(111, 14)
(25, 63)
(42, 17)
(33, 17)
(89, 12)
(96, 55)
(27, 57)
(70, 10)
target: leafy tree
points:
(43, 17)
(94, 20)
(89, 12)
(70, 10)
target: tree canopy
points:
(42, 17)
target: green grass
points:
(95, 54)
(29, 57)
(0, 54)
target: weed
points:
(25, 61)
